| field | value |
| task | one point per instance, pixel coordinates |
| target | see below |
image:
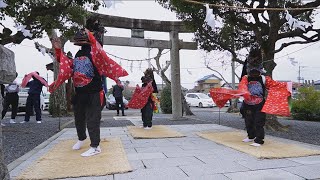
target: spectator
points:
(12, 99)
(33, 99)
(117, 94)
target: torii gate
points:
(173, 27)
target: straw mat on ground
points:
(62, 162)
(156, 132)
(270, 149)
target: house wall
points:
(208, 84)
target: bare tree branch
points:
(295, 42)
(297, 33)
(220, 75)
(161, 71)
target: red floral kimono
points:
(276, 102)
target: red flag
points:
(220, 96)
(140, 96)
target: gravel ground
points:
(18, 139)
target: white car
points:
(111, 102)
(23, 94)
(199, 100)
(46, 101)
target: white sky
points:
(28, 59)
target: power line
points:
(291, 52)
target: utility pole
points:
(299, 77)
(149, 60)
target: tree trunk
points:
(59, 103)
(59, 99)
(69, 94)
(4, 174)
(185, 106)
(272, 122)
(233, 106)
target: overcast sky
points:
(28, 59)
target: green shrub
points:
(165, 100)
(307, 104)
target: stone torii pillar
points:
(175, 76)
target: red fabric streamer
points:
(27, 78)
(140, 96)
(105, 65)
(220, 96)
(276, 102)
(65, 71)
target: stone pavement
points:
(188, 158)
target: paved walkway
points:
(188, 158)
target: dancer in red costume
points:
(86, 69)
(256, 104)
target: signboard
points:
(137, 33)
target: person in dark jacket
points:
(12, 99)
(33, 99)
(117, 94)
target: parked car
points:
(23, 94)
(46, 101)
(111, 102)
(199, 100)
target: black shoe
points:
(124, 115)
(117, 114)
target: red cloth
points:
(220, 96)
(65, 70)
(140, 96)
(276, 102)
(102, 98)
(105, 66)
(26, 79)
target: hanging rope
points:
(147, 59)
